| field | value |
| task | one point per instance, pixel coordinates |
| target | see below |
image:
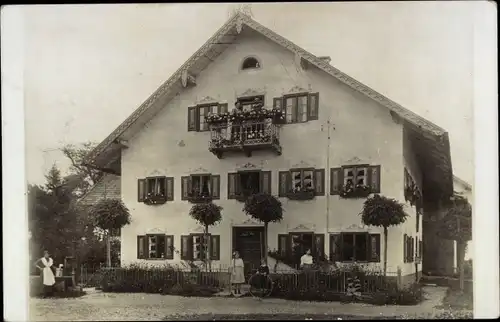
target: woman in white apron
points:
(45, 265)
(237, 274)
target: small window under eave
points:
(250, 63)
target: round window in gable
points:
(250, 63)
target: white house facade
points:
(334, 131)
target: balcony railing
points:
(246, 137)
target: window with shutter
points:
(405, 249)
(215, 186)
(313, 106)
(141, 247)
(232, 185)
(319, 182)
(192, 119)
(284, 183)
(141, 190)
(374, 248)
(197, 115)
(265, 178)
(374, 173)
(319, 246)
(170, 188)
(186, 247)
(169, 247)
(199, 187)
(283, 244)
(215, 247)
(336, 247)
(185, 187)
(336, 180)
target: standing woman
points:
(237, 274)
(47, 275)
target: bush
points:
(159, 280)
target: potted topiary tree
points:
(384, 212)
(107, 215)
(265, 208)
(206, 214)
(456, 225)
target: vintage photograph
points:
(310, 161)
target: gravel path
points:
(154, 307)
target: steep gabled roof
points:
(108, 187)
(467, 185)
(431, 140)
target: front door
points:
(249, 242)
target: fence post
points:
(399, 281)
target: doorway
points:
(249, 242)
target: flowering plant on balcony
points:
(349, 190)
(238, 115)
(155, 198)
(299, 193)
(199, 197)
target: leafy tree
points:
(109, 214)
(206, 214)
(384, 212)
(456, 225)
(84, 175)
(266, 208)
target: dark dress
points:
(263, 273)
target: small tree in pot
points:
(109, 214)
(265, 208)
(384, 212)
(206, 214)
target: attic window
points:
(250, 63)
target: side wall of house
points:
(360, 132)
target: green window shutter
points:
(192, 118)
(232, 185)
(374, 249)
(141, 190)
(319, 182)
(215, 183)
(284, 183)
(222, 108)
(265, 182)
(141, 241)
(215, 247)
(169, 188)
(336, 180)
(283, 244)
(336, 247)
(169, 247)
(313, 106)
(319, 245)
(185, 187)
(374, 178)
(186, 247)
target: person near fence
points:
(48, 279)
(263, 272)
(237, 272)
(306, 261)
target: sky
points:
(88, 67)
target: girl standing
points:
(46, 271)
(237, 274)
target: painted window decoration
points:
(250, 63)
(302, 184)
(293, 245)
(155, 246)
(155, 190)
(356, 181)
(200, 187)
(298, 108)
(355, 247)
(197, 115)
(193, 247)
(245, 183)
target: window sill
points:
(355, 193)
(303, 195)
(155, 200)
(200, 199)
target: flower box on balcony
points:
(155, 199)
(355, 191)
(301, 195)
(198, 198)
(236, 116)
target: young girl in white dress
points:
(237, 273)
(48, 278)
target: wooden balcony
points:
(246, 137)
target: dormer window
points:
(250, 63)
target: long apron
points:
(47, 274)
